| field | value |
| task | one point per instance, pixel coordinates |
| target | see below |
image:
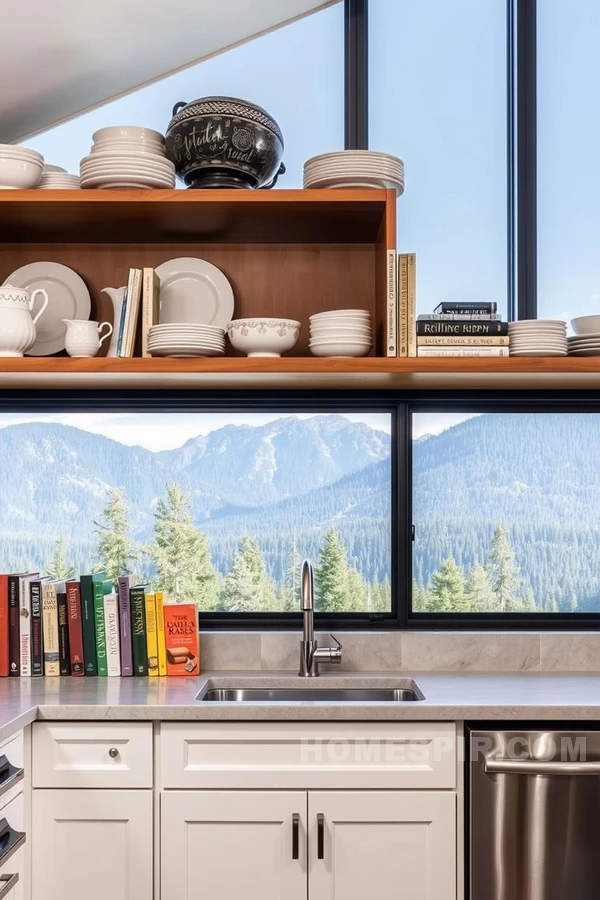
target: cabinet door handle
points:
(9, 775)
(10, 841)
(320, 836)
(7, 883)
(295, 836)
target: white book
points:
(463, 351)
(391, 325)
(111, 625)
(25, 623)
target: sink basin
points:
(310, 695)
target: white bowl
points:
(339, 348)
(128, 133)
(263, 336)
(331, 331)
(19, 174)
(586, 324)
(14, 150)
(137, 148)
(361, 313)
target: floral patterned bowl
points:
(264, 336)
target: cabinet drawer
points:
(11, 769)
(13, 862)
(92, 755)
(12, 877)
(308, 755)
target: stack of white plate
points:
(55, 178)
(127, 157)
(355, 169)
(584, 345)
(538, 337)
(341, 332)
(186, 339)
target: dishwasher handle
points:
(538, 767)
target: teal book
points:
(88, 621)
(100, 589)
(138, 629)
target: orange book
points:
(4, 654)
(181, 639)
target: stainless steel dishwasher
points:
(534, 815)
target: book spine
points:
(463, 351)
(473, 329)
(125, 625)
(64, 650)
(25, 629)
(37, 640)
(147, 308)
(100, 629)
(181, 634)
(111, 626)
(403, 305)
(133, 309)
(14, 636)
(88, 625)
(460, 317)
(458, 341)
(75, 628)
(467, 308)
(138, 631)
(50, 619)
(4, 627)
(122, 319)
(391, 326)
(160, 633)
(412, 303)
(151, 635)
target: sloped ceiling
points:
(62, 57)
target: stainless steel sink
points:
(310, 695)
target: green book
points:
(100, 589)
(137, 595)
(88, 621)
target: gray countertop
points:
(450, 697)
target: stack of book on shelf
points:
(462, 329)
(139, 312)
(400, 325)
(90, 626)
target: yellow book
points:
(160, 633)
(412, 303)
(403, 304)
(50, 629)
(151, 635)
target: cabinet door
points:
(92, 844)
(392, 845)
(227, 844)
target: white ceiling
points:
(64, 57)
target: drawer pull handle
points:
(320, 836)
(7, 883)
(9, 775)
(10, 841)
(113, 752)
(296, 836)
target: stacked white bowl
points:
(127, 156)
(185, 340)
(341, 332)
(355, 169)
(20, 169)
(55, 178)
(538, 337)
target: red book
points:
(4, 649)
(181, 638)
(75, 623)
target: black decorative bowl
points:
(221, 142)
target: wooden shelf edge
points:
(301, 372)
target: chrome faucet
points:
(310, 652)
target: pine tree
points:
(238, 593)
(290, 592)
(181, 553)
(503, 572)
(419, 597)
(331, 577)
(265, 589)
(573, 604)
(529, 604)
(356, 592)
(115, 550)
(479, 591)
(58, 569)
(447, 591)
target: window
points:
(295, 72)
(216, 507)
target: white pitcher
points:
(17, 327)
(83, 337)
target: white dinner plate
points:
(193, 290)
(538, 352)
(185, 351)
(351, 183)
(127, 180)
(591, 351)
(68, 298)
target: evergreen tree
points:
(239, 591)
(181, 553)
(115, 550)
(447, 591)
(356, 592)
(503, 572)
(573, 604)
(529, 604)
(331, 576)
(58, 569)
(419, 597)
(290, 592)
(265, 589)
(479, 591)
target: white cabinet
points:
(95, 844)
(226, 844)
(392, 845)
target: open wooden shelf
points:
(239, 373)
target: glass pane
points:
(506, 513)
(213, 508)
(568, 152)
(296, 73)
(438, 100)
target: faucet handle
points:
(335, 653)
